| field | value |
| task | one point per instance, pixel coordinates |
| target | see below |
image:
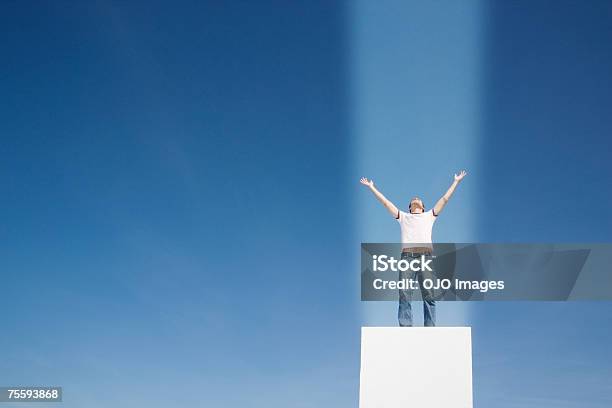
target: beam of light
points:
(415, 120)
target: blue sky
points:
(175, 215)
(180, 196)
(546, 139)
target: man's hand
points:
(366, 182)
(380, 197)
(442, 201)
(460, 176)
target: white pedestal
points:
(416, 367)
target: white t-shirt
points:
(416, 228)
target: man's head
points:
(416, 206)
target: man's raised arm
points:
(380, 197)
(442, 201)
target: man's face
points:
(416, 205)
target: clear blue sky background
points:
(178, 208)
(547, 121)
(175, 219)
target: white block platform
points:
(416, 367)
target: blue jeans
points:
(404, 313)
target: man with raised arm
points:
(416, 226)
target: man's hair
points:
(414, 199)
